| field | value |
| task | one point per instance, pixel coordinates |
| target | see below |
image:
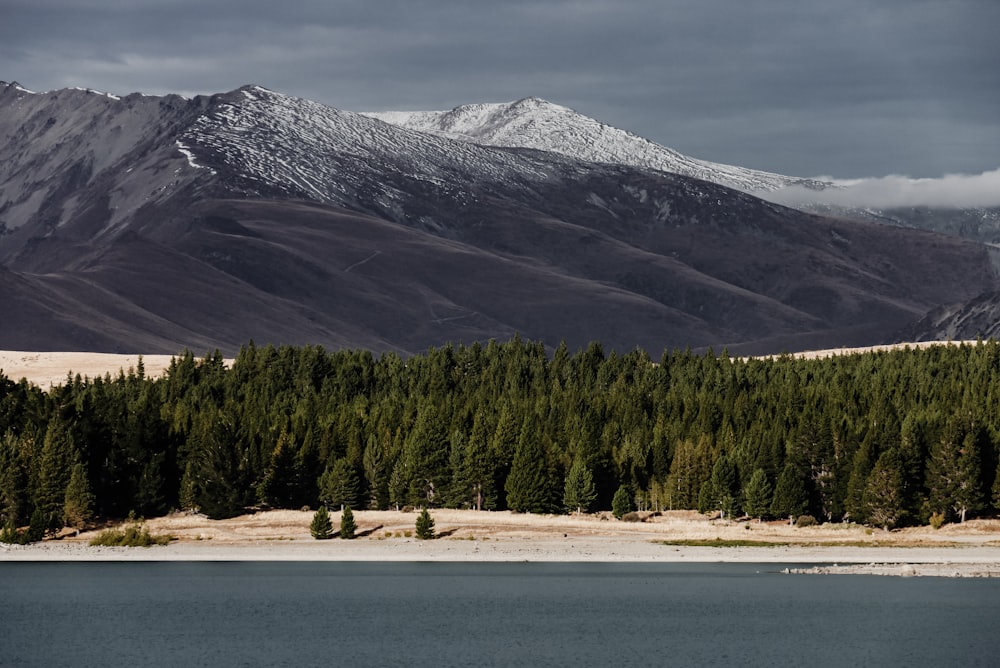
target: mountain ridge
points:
(157, 223)
(533, 122)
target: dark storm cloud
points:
(853, 88)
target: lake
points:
(494, 614)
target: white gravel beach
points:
(970, 550)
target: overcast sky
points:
(848, 88)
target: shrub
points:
(425, 525)
(937, 520)
(321, 527)
(10, 534)
(134, 535)
(805, 521)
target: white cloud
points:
(887, 192)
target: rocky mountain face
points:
(158, 223)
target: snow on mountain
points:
(538, 124)
(278, 144)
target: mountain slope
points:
(539, 124)
(161, 223)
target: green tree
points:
(338, 486)
(529, 485)
(375, 464)
(885, 494)
(219, 468)
(579, 493)
(725, 486)
(282, 483)
(78, 507)
(790, 499)
(621, 502)
(321, 528)
(954, 471)
(37, 526)
(757, 495)
(347, 525)
(56, 462)
(996, 487)
(425, 525)
(14, 497)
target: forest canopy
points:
(884, 438)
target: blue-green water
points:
(443, 614)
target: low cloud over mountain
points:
(959, 191)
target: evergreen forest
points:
(890, 438)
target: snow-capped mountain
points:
(156, 223)
(538, 124)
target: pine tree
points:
(757, 495)
(321, 527)
(282, 483)
(579, 493)
(78, 507)
(996, 488)
(37, 526)
(621, 503)
(955, 469)
(347, 525)
(725, 485)
(884, 495)
(790, 499)
(57, 459)
(338, 486)
(374, 462)
(529, 485)
(14, 497)
(425, 525)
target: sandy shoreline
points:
(970, 551)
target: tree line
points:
(885, 438)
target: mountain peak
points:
(535, 123)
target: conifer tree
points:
(56, 462)
(78, 507)
(954, 471)
(579, 493)
(14, 497)
(37, 526)
(757, 495)
(426, 455)
(621, 502)
(374, 462)
(321, 528)
(338, 486)
(347, 525)
(884, 495)
(996, 487)
(725, 486)
(282, 483)
(790, 499)
(425, 525)
(529, 485)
